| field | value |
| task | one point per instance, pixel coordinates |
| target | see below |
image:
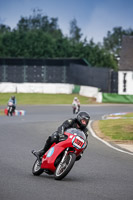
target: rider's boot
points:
(40, 153)
(48, 143)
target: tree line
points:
(39, 36)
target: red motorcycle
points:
(60, 158)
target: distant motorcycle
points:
(60, 158)
(10, 109)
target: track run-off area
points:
(103, 173)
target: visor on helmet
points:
(83, 119)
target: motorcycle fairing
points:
(50, 152)
(48, 160)
(50, 156)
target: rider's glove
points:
(61, 134)
(61, 137)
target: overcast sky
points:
(94, 17)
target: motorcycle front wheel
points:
(63, 168)
(36, 169)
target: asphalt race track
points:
(102, 173)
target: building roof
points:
(46, 62)
(126, 54)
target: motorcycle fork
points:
(65, 154)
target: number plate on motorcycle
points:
(78, 142)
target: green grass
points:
(39, 99)
(117, 129)
(129, 115)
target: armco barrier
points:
(48, 88)
(88, 91)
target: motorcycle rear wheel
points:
(36, 169)
(64, 168)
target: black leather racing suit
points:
(71, 123)
(59, 134)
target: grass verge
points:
(117, 129)
(39, 99)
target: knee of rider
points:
(49, 139)
(55, 138)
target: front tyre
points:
(36, 169)
(63, 168)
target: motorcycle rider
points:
(13, 101)
(76, 103)
(80, 122)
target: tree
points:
(113, 41)
(37, 21)
(4, 28)
(75, 31)
(39, 36)
(98, 56)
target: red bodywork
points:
(55, 150)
